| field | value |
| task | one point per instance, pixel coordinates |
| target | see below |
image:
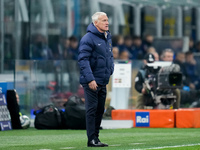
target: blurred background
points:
(39, 42)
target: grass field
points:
(118, 139)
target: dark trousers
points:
(94, 103)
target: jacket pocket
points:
(101, 62)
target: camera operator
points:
(145, 84)
(144, 97)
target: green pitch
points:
(118, 139)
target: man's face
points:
(115, 52)
(181, 58)
(156, 56)
(102, 23)
(189, 58)
(137, 42)
(168, 56)
(124, 55)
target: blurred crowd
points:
(124, 48)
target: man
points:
(96, 65)
(137, 47)
(156, 55)
(115, 52)
(188, 94)
(168, 55)
(144, 97)
(124, 55)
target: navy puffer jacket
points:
(95, 57)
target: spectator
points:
(147, 42)
(115, 52)
(59, 49)
(73, 47)
(151, 49)
(191, 45)
(188, 94)
(124, 55)
(66, 54)
(128, 43)
(118, 40)
(39, 49)
(167, 55)
(197, 47)
(156, 55)
(137, 46)
(191, 74)
(180, 60)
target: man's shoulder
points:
(87, 37)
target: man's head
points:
(149, 58)
(189, 58)
(73, 42)
(124, 55)
(180, 57)
(137, 41)
(156, 55)
(167, 55)
(115, 52)
(100, 20)
(151, 49)
(128, 41)
(149, 38)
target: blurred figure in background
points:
(180, 60)
(66, 54)
(118, 40)
(189, 94)
(128, 43)
(137, 46)
(115, 52)
(73, 47)
(151, 49)
(197, 47)
(39, 49)
(60, 49)
(156, 55)
(147, 42)
(191, 45)
(190, 71)
(167, 55)
(124, 55)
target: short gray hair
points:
(165, 51)
(95, 17)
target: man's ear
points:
(95, 23)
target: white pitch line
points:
(136, 143)
(169, 146)
(115, 145)
(67, 147)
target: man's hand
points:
(143, 91)
(93, 85)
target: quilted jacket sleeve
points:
(85, 51)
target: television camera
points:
(161, 81)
